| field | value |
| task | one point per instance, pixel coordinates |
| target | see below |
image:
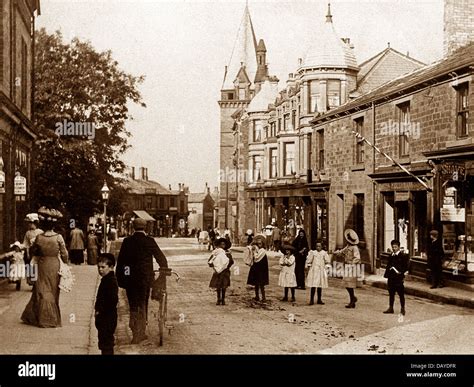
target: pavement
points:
(454, 293)
(77, 336)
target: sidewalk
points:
(454, 293)
(77, 334)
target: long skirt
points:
(43, 308)
(92, 255)
(77, 256)
(258, 273)
(220, 280)
(299, 269)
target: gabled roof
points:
(197, 197)
(383, 67)
(460, 61)
(139, 187)
(244, 52)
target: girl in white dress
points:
(317, 276)
(287, 277)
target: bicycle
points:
(160, 294)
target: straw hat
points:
(287, 246)
(17, 244)
(49, 214)
(31, 218)
(351, 236)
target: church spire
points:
(329, 16)
(244, 51)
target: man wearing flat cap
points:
(135, 274)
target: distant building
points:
(201, 210)
(166, 210)
(17, 134)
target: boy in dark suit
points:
(395, 273)
(106, 303)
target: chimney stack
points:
(458, 24)
(169, 186)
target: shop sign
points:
(451, 214)
(20, 185)
(402, 196)
(453, 171)
(2, 182)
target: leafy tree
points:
(74, 84)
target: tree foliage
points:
(76, 84)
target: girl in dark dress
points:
(258, 274)
(221, 261)
(301, 251)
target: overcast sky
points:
(182, 47)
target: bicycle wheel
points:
(162, 317)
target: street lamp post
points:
(105, 197)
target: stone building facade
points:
(17, 133)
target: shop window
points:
(404, 128)
(462, 94)
(289, 158)
(148, 202)
(359, 128)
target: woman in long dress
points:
(301, 251)
(92, 248)
(43, 308)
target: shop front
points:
(454, 211)
(404, 213)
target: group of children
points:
(255, 256)
(316, 264)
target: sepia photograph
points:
(246, 177)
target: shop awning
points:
(144, 215)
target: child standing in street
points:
(17, 264)
(287, 278)
(397, 266)
(106, 304)
(221, 261)
(317, 276)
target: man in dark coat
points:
(395, 273)
(135, 274)
(435, 259)
(106, 304)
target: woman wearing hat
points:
(29, 239)
(351, 256)
(43, 307)
(221, 261)
(258, 273)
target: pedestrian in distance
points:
(135, 275)
(287, 278)
(351, 256)
(435, 254)
(212, 237)
(301, 251)
(317, 277)
(258, 273)
(276, 237)
(17, 264)
(77, 245)
(221, 261)
(92, 248)
(250, 236)
(106, 303)
(28, 241)
(395, 271)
